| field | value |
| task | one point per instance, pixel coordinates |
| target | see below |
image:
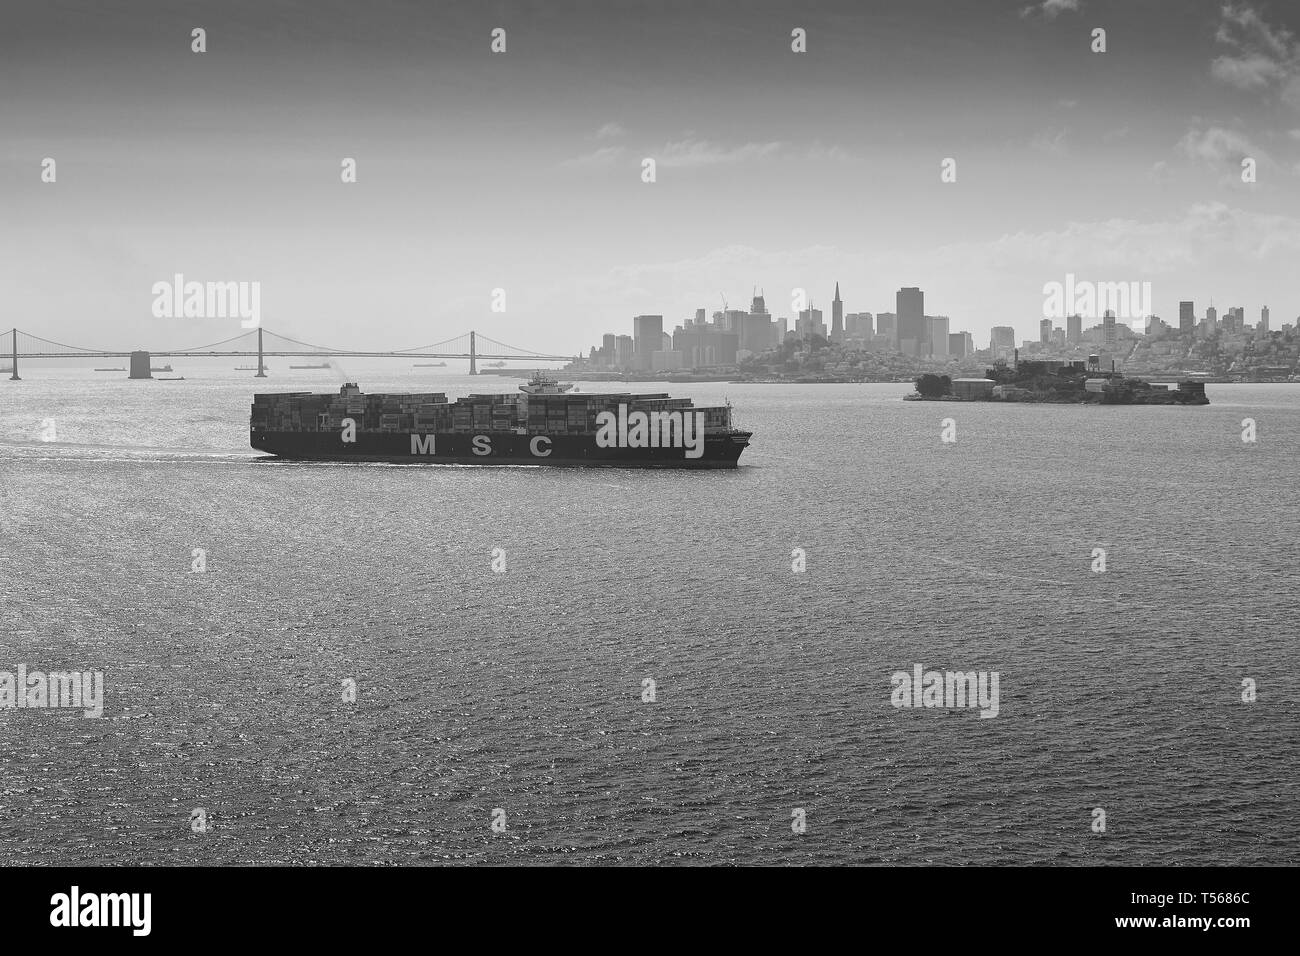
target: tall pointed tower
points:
(837, 317)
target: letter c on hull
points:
(537, 453)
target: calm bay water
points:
(522, 691)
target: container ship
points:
(543, 424)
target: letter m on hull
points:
(423, 444)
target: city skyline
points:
(1123, 165)
(917, 335)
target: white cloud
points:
(602, 158)
(610, 131)
(691, 153)
(1220, 148)
(1243, 27)
(1050, 141)
(1291, 93)
(820, 151)
(1050, 8)
(699, 153)
(1264, 58)
(1251, 72)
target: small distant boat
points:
(321, 365)
(494, 364)
(165, 368)
(430, 364)
(179, 378)
(97, 370)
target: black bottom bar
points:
(935, 910)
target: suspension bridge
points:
(263, 343)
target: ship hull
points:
(491, 448)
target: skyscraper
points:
(910, 303)
(1108, 329)
(732, 319)
(703, 345)
(1002, 341)
(1044, 331)
(810, 323)
(936, 333)
(887, 324)
(858, 325)
(837, 317)
(1186, 317)
(1074, 329)
(756, 332)
(624, 351)
(1263, 321)
(648, 335)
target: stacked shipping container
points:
(564, 414)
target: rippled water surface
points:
(523, 690)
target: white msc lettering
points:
(482, 445)
(537, 453)
(423, 444)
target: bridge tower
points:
(140, 365)
(261, 367)
(473, 356)
(14, 377)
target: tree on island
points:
(933, 386)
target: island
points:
(1059, 382)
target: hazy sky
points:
(522, 170)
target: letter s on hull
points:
(482, 445)
(538, 453)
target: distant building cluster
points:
(1233, 322)
(730, 336)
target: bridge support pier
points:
(261, 366)
(140, 365)
(14, 376)
(473, 355)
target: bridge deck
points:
(278, 354)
